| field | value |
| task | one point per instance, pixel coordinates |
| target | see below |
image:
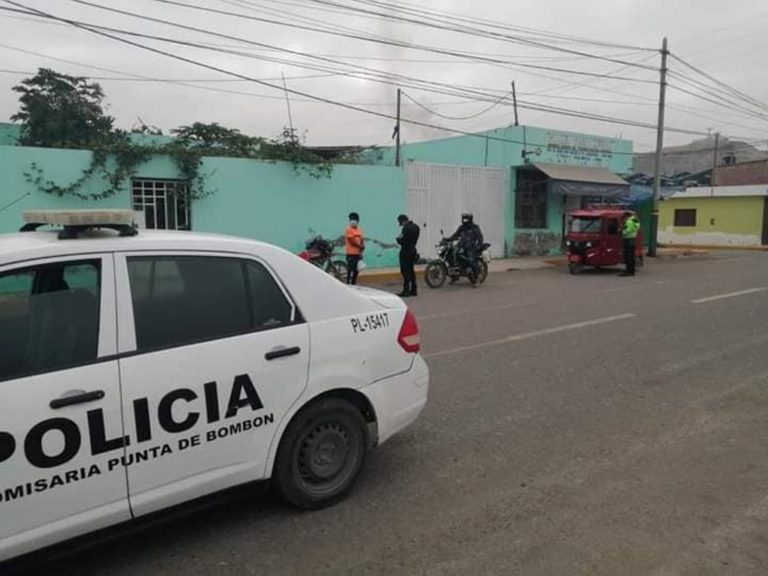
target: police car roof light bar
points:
(75, 222)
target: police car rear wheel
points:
(321, 454)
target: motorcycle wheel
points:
(483, 272)
(338, 270)
(435, 274)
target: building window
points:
(531, 200)
(685, 218)
(165, 203)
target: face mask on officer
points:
(353, 223)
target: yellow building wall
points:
(719, 221)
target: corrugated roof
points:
(723, 191)
(580, 174)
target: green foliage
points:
(216, 140)
(288, 148)
(60, 111)
(118, 161)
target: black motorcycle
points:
(453, 263)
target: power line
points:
(99, 32)
(714, 98)
(727, 87)
(432, 86)
(468, 31)
(715, 92)
(395, 43)
(446, 117)
(387, 75)
(501, 26)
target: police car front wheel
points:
(321, 454)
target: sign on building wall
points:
(579, 149)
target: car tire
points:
(321, 454)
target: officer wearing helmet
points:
(470, 242)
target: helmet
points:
(467, 218)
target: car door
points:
(213, 354)
(61, 436)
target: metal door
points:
(438, 194)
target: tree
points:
(218, 140)
(60, 111)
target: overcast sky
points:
(726, 40)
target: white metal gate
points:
(438, 194)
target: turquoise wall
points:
(260, 200)
(504, 147)
(60, 166)
(270, 202)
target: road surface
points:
(577, 425)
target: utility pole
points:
(654, 231)
(714, 162)
(514, 103)
(290, 113)
(397, 130)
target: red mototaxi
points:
(595, 238)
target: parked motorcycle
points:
(451, 262)
(319, 251)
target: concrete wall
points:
(719, 221)
(746, 173)
(255, 199)
(504, 147)
(270, 202)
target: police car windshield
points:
(586, 224)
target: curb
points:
(706, 248)
(681, 252)
(383, 277)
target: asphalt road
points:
(576, 425)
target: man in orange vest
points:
(355, 244)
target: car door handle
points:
(76, 397)
(282, 353)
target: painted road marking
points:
(534, 334)
(473, 311)
(732, 259)
(729, 295)
(638, 286)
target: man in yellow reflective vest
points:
(629, 233)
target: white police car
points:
(142, 371)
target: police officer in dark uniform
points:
(409, 237)
(471, 240)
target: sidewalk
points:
(385, 275)
(522, 264)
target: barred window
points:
(531, 202)
(165, 203)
